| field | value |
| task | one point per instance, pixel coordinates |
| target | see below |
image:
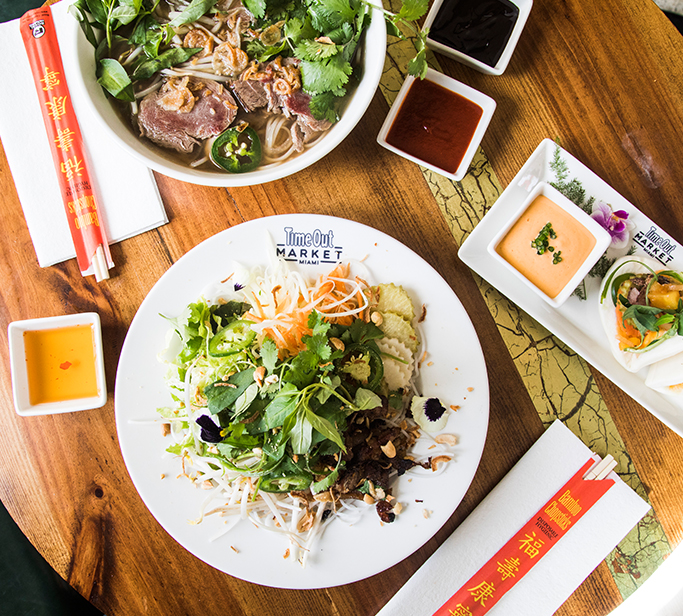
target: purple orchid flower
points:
(616, 223)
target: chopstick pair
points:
(66, 143)
(533, 541)
(601, 469)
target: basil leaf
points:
(326, 428)
(76, 11)
(366, 399)
(221, 394)
(126, 12)
(173, 56)
(114, 79)
(301, 435)
(281, 407)
(193, 12)
(145, 30)
(245, 399)
(98, 10)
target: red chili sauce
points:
(434, 125)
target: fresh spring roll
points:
(666, 376)
(640, 308)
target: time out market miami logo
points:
(656, 244)
(309, 248)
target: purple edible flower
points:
(211, 433)
(434, 410)
(616, 223)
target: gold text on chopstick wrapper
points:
(533, 541)
(65, 139)
(50, 78)
(56, 107)
(68, 150)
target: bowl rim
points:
(487, 104)
(601, 235)
(100, 108)
(524, 7)
(19, 375)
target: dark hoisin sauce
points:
(479, 29)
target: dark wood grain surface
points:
(604, 77)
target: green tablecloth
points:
(28, 585)
(13, 9)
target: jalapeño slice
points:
(237, 149)
(233, 338)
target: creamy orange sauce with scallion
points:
(61, 364)
(573, 239)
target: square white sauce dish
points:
(438, 123)
(57, 364)
(550, 244)
(482, 34)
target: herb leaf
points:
(223, 394)
(325, 75)
(193, 12)
(171, 57)
(256, 7)
(412, 10)
(114, 79)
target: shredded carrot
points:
(629, 337)
(282, 315)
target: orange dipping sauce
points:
(573, 240)
(61, 364)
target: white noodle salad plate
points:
(453, 370)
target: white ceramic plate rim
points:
(576, 322)
(454, 363)
(99, 107)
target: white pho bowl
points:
(371, 57)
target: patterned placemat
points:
(559, 381)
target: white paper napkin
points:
(127, 192)
(543, 470)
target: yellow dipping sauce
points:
(61, 364)
(573, 240)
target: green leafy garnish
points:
(542, 241)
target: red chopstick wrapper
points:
(66, 144)
(516, 558)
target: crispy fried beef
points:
(365, 460)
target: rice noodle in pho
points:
(226, 85)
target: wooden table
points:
(603, 77)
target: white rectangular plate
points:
(577, 322)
